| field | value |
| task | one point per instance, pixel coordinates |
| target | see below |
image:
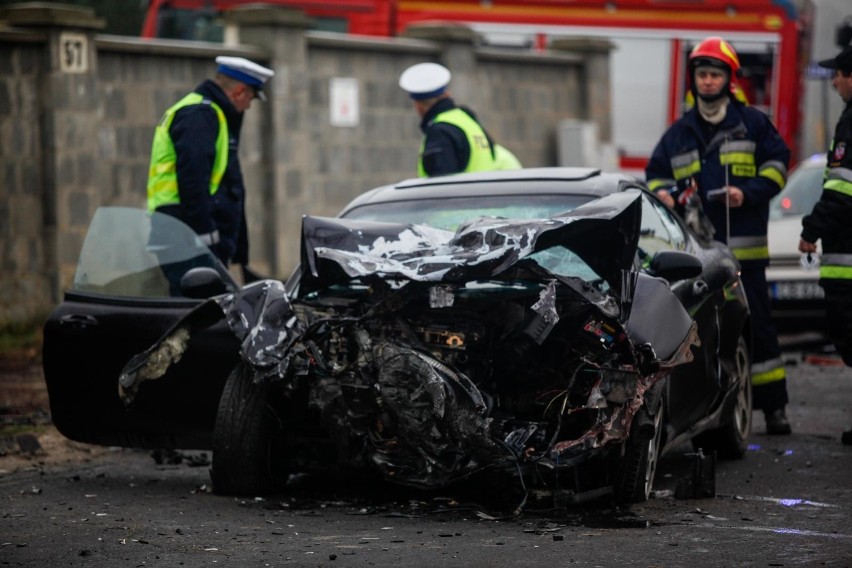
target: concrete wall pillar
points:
(68, 102)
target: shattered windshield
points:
(450, 213)
(127, 253)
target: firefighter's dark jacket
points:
(748, 146)
(193, 132)
(831, 219)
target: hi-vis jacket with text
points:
(831, 219)
(453, 142)
(746, 152)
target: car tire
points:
(638, 467)
(248, 438)
(730, 441)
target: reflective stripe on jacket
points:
(481, 159)
(839, 179)
(769, 371)
(162, 174)
(836, 266)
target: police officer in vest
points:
(195, 171)
(736, 159)
(831, 219)
(453, 139)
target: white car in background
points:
(796, 297)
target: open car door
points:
(119, 304)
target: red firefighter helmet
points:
(713, 51)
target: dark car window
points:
(120, 256)
(660, 230)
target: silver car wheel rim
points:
(742, 412)
(653, 452)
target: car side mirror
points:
(674, 265)
(202, 282)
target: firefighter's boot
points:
(776, 422)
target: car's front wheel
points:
(248, 439)
(639, 465)
(730, 440)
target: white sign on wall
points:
(343, 97)
(73, 52)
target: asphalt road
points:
(787, 503)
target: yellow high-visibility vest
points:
(162, 173)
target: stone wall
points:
(73, 139)
(24, 254)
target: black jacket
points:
(831, 218)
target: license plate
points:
(796, 290)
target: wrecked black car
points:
(559, 326)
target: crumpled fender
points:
(260, 315)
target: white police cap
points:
(425, 80)
(245, 71)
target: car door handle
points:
(699, 287)
(78, 321)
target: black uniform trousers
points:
(765, 346)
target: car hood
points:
(604, 233)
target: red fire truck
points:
(651, 39)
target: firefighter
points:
(735, 158)
(830, 219)
(195, 172)
(453, 139)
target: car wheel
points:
(730, 440)
(639, 464)
(248, 439)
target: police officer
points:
(195, 172)
(736, 159)
(453, 139)
(831, 219)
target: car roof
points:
(549, 180)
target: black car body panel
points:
(96, 338)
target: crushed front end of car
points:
(429, 355)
